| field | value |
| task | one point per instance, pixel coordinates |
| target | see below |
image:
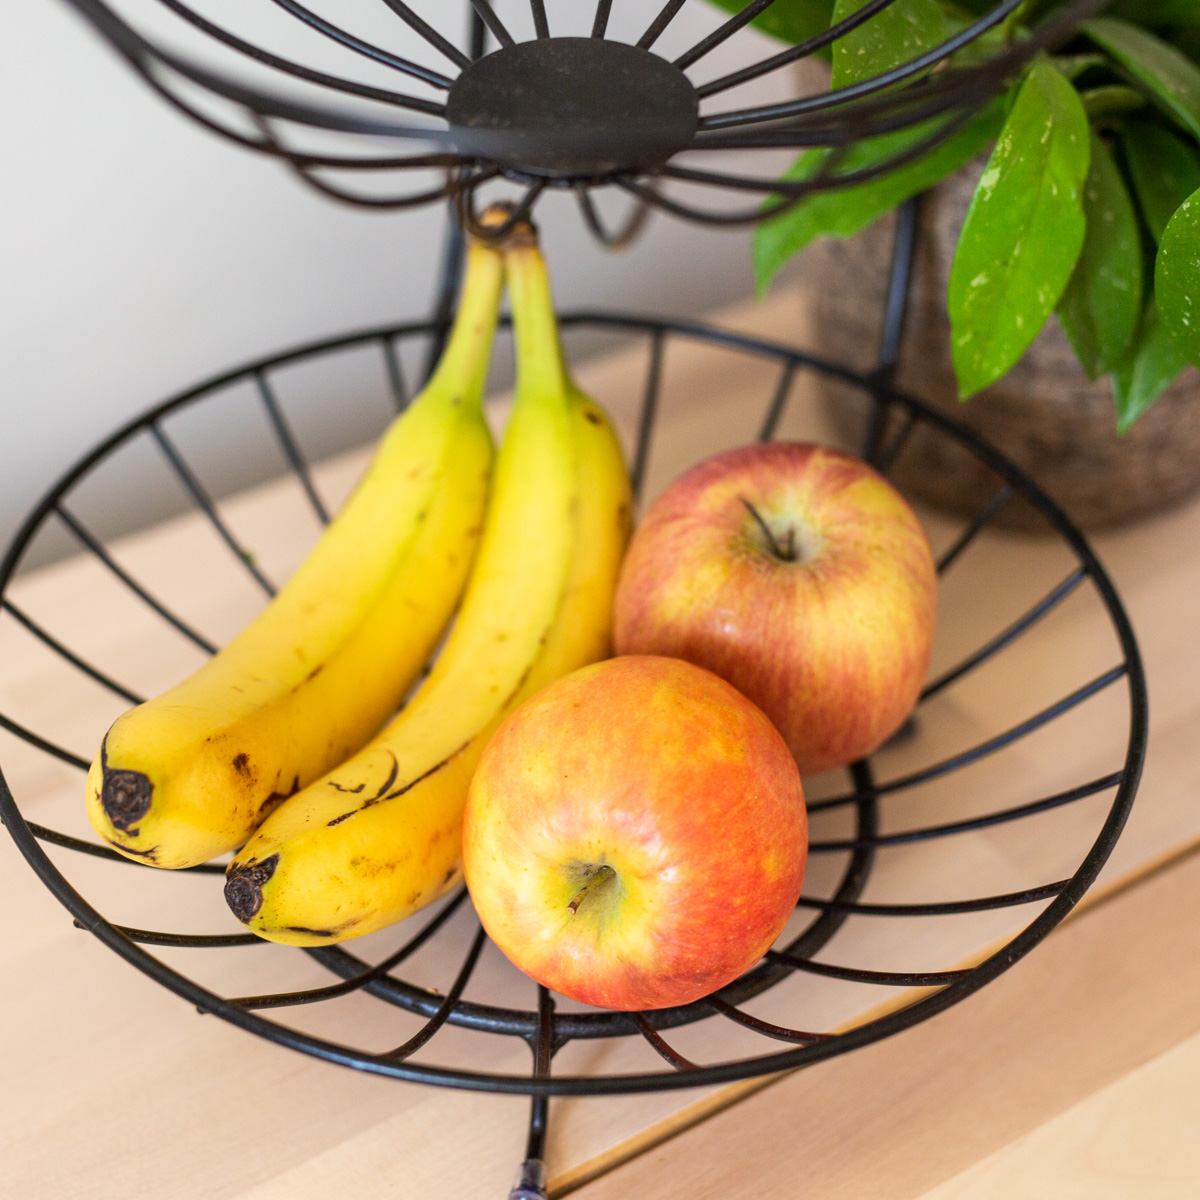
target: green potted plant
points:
(1058, 266)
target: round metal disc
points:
(573, 107)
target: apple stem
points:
(599, 876)
(786, 552)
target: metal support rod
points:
(895, 311)
(454, 242)
(531, 1178)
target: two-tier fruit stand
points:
(529, 111)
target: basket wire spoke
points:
(864, 975)
(766, 1028)
(357, 982)
(395, 374)
(376, 53)
(440, 1017)
(204, 503)
(187, 941)
(277, 62)
(94, 850)
(646, 418)
(999, 498)
(659, 25)
(600, 21)
(422, 27)
(981, 749)
(724, 32)
(540, 24)
(287, 443)
(940, 908)
(801, 50)
(624, 234)
(68, 655)
(44, 744)
(1007, 636)
(95, 547)
(495, 26)
(660, 1046)
(1002, 817)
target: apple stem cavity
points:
(596, 880)
(785, 551)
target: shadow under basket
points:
(1045, 415)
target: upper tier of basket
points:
(552, 111)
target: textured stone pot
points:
(1044, 414)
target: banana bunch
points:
(192, 773)
(380, 836)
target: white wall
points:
(139, 253)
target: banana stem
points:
(540, 364)
(463, 368)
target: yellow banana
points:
(192, 773)
(381, 836)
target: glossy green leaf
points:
(1112, 99)
(898, 34)
(1146, 371)
(1177, 278)
(1165, 171)
(1023, 230)
(1074, 65)
(1103, 300)
(1168, 76)
(843, 212)
(790, 21)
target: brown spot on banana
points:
(125, 796)
(150, 855)
(275, 799)
(244, 885)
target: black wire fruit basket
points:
(552, 111)
(766, 1021)
(547, 1029)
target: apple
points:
(802, 577)
(635, 834)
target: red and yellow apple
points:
(635, 834)
(802, 577)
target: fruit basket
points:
(832, 901)
(856, 964)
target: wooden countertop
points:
(1073, 1074)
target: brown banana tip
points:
(508, 234)
(125, 796)
(244, 885)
